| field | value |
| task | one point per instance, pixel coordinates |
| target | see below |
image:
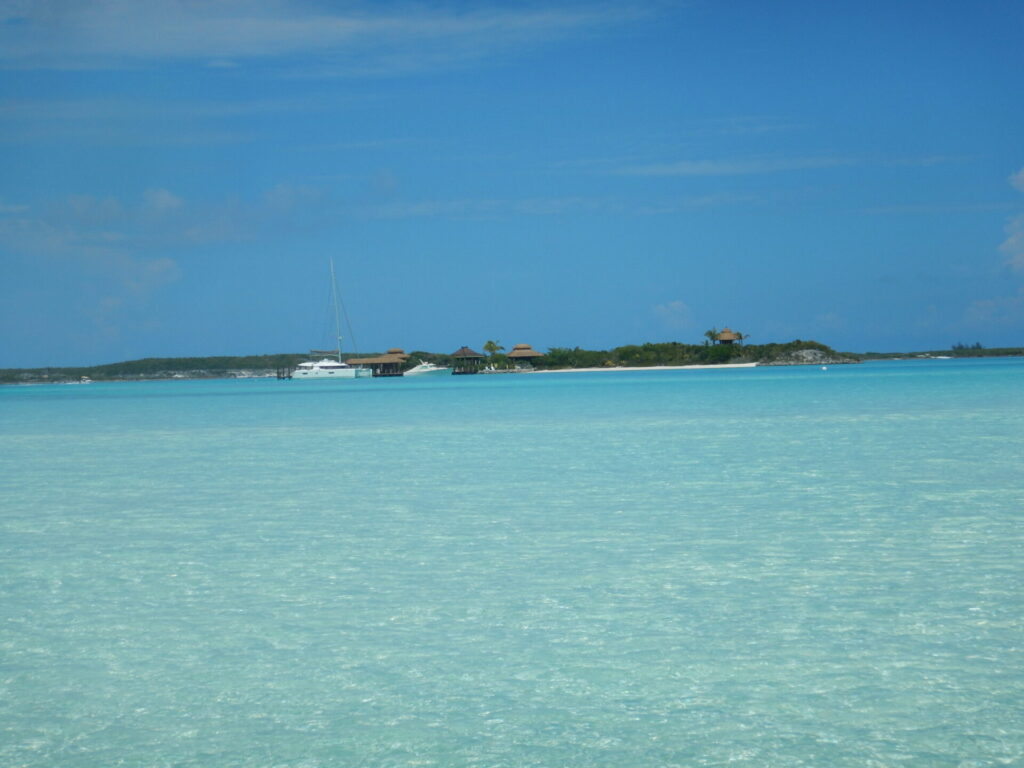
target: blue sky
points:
(176, 175)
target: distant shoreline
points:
(667, 356)
(648, 368)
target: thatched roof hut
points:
(388, 364)
(466, 360)
(523, 352)
(727, 336)
(522, 356)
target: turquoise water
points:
(756, 567)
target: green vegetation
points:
(675, 353)
(494, 356)
(151, 366)
(156, 368)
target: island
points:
(672, 354)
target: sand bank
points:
(651, 368)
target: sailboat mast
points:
(337, 317)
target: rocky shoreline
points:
(811, 357)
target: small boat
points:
(328, 368)
(427, 368)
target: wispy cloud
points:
(928, 161)
(106, 243)
(481, 208)
(1013, 245)
(737, 167)
(543, 206)
(742, 125)
(683, 204)
(78, 109)
(1004, 311)
(674, 315)
(387, 143)
(1000, 312)
(345, 38)
(104, 229)
(932, 208)
(139, 122)
(12, 208)
(161, 201)
(1017, 180)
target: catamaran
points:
(328, 368)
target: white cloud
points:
(161, 201)
(88, 210)
(1003, 311)
(1017, 180)
(740, 167)
(1013, 245)
(998, 313)
(346, 38)
(11, 208)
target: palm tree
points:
(712, 334)
(492, 348)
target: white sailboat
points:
(328, 368)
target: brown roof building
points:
(465, 360)
(523, 355)
(727, 336)
(388, 364)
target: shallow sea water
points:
(751, 567)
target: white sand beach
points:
(650, 368)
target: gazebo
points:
(465, 360)
(388, 364)
(523, 355)
(727, 336)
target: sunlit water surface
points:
(757, 567)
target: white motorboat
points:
(426, 368)
(328, 368)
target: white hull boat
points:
(328, 369)
(427, 369)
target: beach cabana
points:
(465, 360)
(727, 337)
(523, 355)
(388, 364)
